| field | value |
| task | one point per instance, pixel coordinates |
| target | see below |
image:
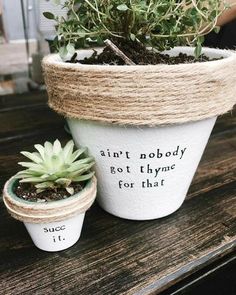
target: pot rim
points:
(13, 180)
(46, 212)
(142, 94)
(54, 59)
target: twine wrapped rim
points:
(46, 212)
(143, 95)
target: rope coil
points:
(142, 95)
(47, 212)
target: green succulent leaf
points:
(31, 179)
(77, 164)
(84, 177)
(70, 190)
(63, 181)
(68, 150)
(45, 185)
(32, 166)
(53, 166)
(35, 157)
(56, 147)
(48, 148)
(40, 149)
(77, 154)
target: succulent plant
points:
(53, 166)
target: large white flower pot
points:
(146, 126)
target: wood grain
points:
(116, 256)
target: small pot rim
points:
(13, 180)
(46, 212)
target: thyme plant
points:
(161, 24)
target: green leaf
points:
(47, 184)
(30, 165)
(35, 172)
(32, 180)
(21, 174)
(35, 157)
(77, 153)
(77, 164)
(70, 48)
(217, 29)
(48, 15)
(40, 149)
(78, 172)
(56, 147)
(198, 50)
(122, 7)
(56, 163)
(201, 39)
(63, 52)
(48, 148)
(132, 37)
(68, 150)
(63, 181)
(84, 177)
(70, 190)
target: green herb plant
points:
(54, 167)
(160, 24)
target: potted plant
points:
(146, 115)
(52, 195)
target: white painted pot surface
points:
(56, 236)
(143, 172)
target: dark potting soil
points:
(138, 53)
(27, 192)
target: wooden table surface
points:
(116, 256)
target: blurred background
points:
(25, 35)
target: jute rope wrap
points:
(142, 95)
(33, 212)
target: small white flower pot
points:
(53, 226)
(56, 236)
(143, 173)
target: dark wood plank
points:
(218, 164)
(25, 100)
(24, 121)
(116, 256)
(218, 278)
(226, 122)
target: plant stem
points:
(118, 52)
